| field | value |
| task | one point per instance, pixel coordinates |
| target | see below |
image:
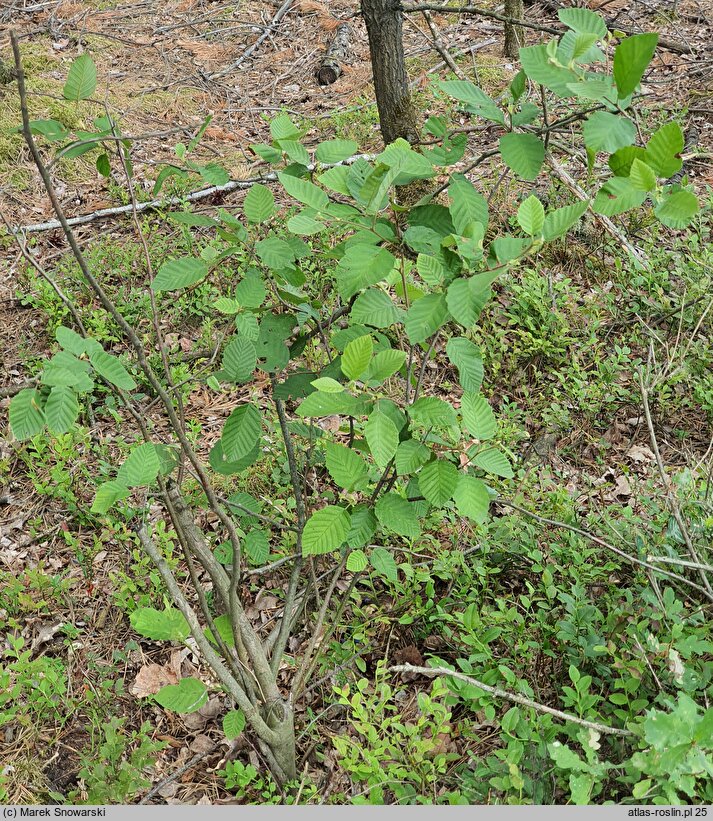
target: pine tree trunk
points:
(513, 34)
(393, 98)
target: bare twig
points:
(515, 697)
(281, 12)
(673, 504)
(585, 534)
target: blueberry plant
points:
(407, 283)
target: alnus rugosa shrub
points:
(404, 285)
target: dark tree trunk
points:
(393, 98)
(513, 34)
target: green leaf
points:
(250, 291)
(179, 273)
(382, 437)
(226, 467)
(478, 416)
(398, 515)
(304, 191)
(63, 369)
(282, 128)
(160, 625)
(304, 224)
(334, 151)
(111, 369)
(267, 152)
(466, 298)
(346, 467)
(675, 210)
(26, 416)
(523, 154)
(493, 461)
(295, 151)
(537, 65)
(476, 100)
(471, 498)
(328, 385)
(384, 365)
(584, 21)
(330, 404)
(71, 341)
(616, 196)
(259, 203)
(559, 221)
(246, 325)
(140, 468)
(336, 180)
(325, 530)
(410, 455)
(61, 409)
(663, 148)
(642, 176)
(361, 266)
(233, 724)
(531, 216)
(621, 161)
(467, 358)
(362, 526)
(430, 269)
(430, 411)
(241, 432)
(272, 351)
(275, 253)
(631, 58)
(357, 561)
(188, 696)
(257, 546)
(608, 132)
(239, 360)
(357, 356)
(81, 79)
(375, 308)
(384, 563)
(425, 316)
(467, 204)
(51, 129)
(107, 495)
(438, 480)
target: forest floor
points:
(563, 344)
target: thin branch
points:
(234, 689)
(290, 597)
(585, 534)
(281, 12)
(515, 697)
(301, 675)
(411, 8)
(113, 311)
(673, 504)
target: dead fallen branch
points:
(331, 66)
(166, 204)
(281, 12)
(514, 697)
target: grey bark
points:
(331, 66)
(397, 116)
(514, 38)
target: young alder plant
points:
(407, 286)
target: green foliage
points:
(114, 772)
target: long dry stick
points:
(515, 697)
(585, 534)
(281, 12)
(672, 503)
